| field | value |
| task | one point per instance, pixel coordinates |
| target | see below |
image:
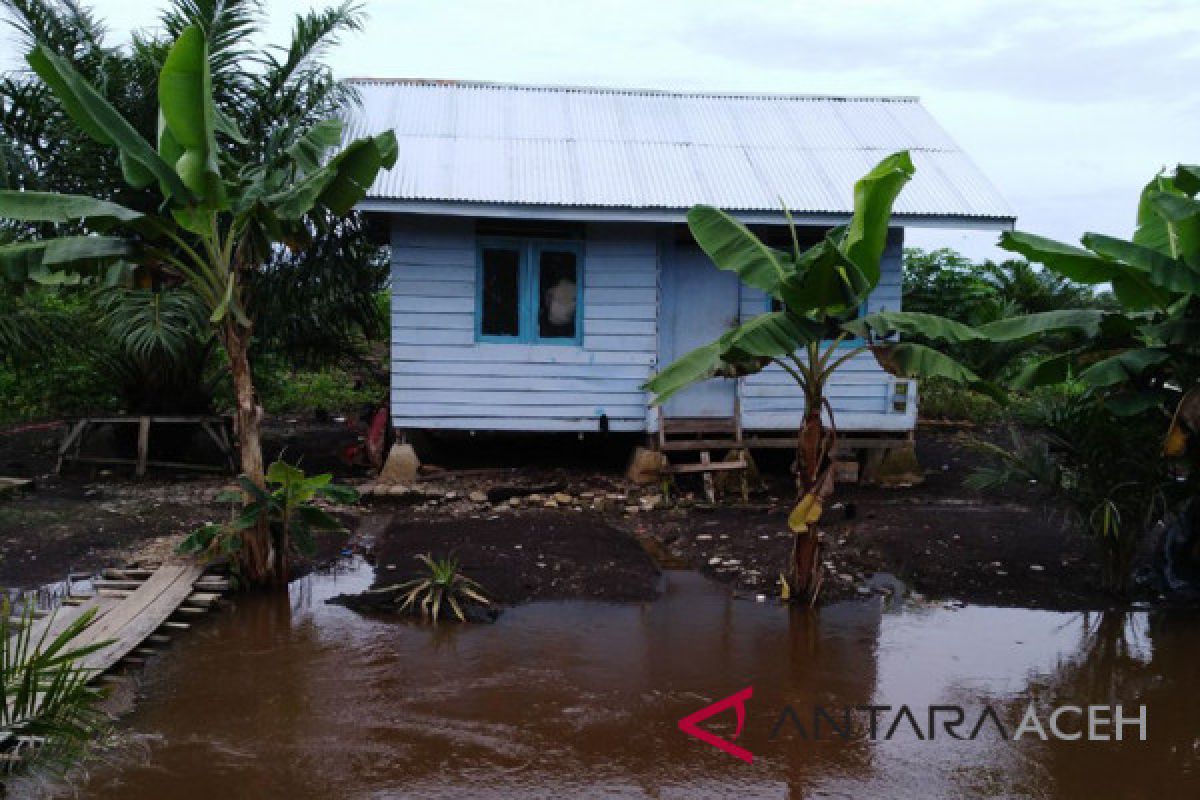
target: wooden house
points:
(542, 270)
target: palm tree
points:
(285, 91)
(224, 203)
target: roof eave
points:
(664, 215)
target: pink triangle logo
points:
(737, 701)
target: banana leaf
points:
(1123, 366)
(874, 195)
(913, 323)
(1160, 270)
(733, 247)
(29, 206)
(186, 106)
(140, 163)
(341, 183)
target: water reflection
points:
(290, 697)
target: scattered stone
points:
(632, 509)
(703, 537)
(514, 501)
(562, 498)
(477, 497)
(550, 504)
(1037, 568)
(712, 562)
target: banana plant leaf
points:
(777, 333)
(341, 183)
(1160, 270)
(1187, 178)
(28, 206)
(913, 323)
(1123, 366)
(1082, 266)
(1151, 230)
(1087, 321)
(825, 282)
(140, 163)
(1067, 260)
(308, 150)
(1182, 217)
(35, 261)
(186, 107)
(912, 360)
(874, 195)
(1045, 372)
(733, 247)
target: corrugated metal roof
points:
(475, 143)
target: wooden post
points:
(143, 445)
(73, 437)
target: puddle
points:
(294, 698)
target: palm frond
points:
(48, 713)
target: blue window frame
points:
(529, 291)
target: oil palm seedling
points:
(48, 712)
(1095, 466)
(443, 586)
(217, 212)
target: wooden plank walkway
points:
(129, 615)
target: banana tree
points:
(217, 219)
(1141, 360)
(816, 294)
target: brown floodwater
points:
(294, 698)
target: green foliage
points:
(993, 297)
(815, 289)
(283, 390)
(48, 713)
(51, 143)
(443, 587)
(1146, 354)
(1104, 470)
(287, 506)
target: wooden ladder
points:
(703, 435)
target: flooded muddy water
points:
(294, 698)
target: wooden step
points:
(716, 466)
(701, 444)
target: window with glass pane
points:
(501, 295)
(557, 294)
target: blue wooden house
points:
(542, 270)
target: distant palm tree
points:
(156, 350)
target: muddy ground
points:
(585, 531)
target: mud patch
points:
(520, 557)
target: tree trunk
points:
(259, 557)
(809, 454)
(810, 458)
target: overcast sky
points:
(1069, 107)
